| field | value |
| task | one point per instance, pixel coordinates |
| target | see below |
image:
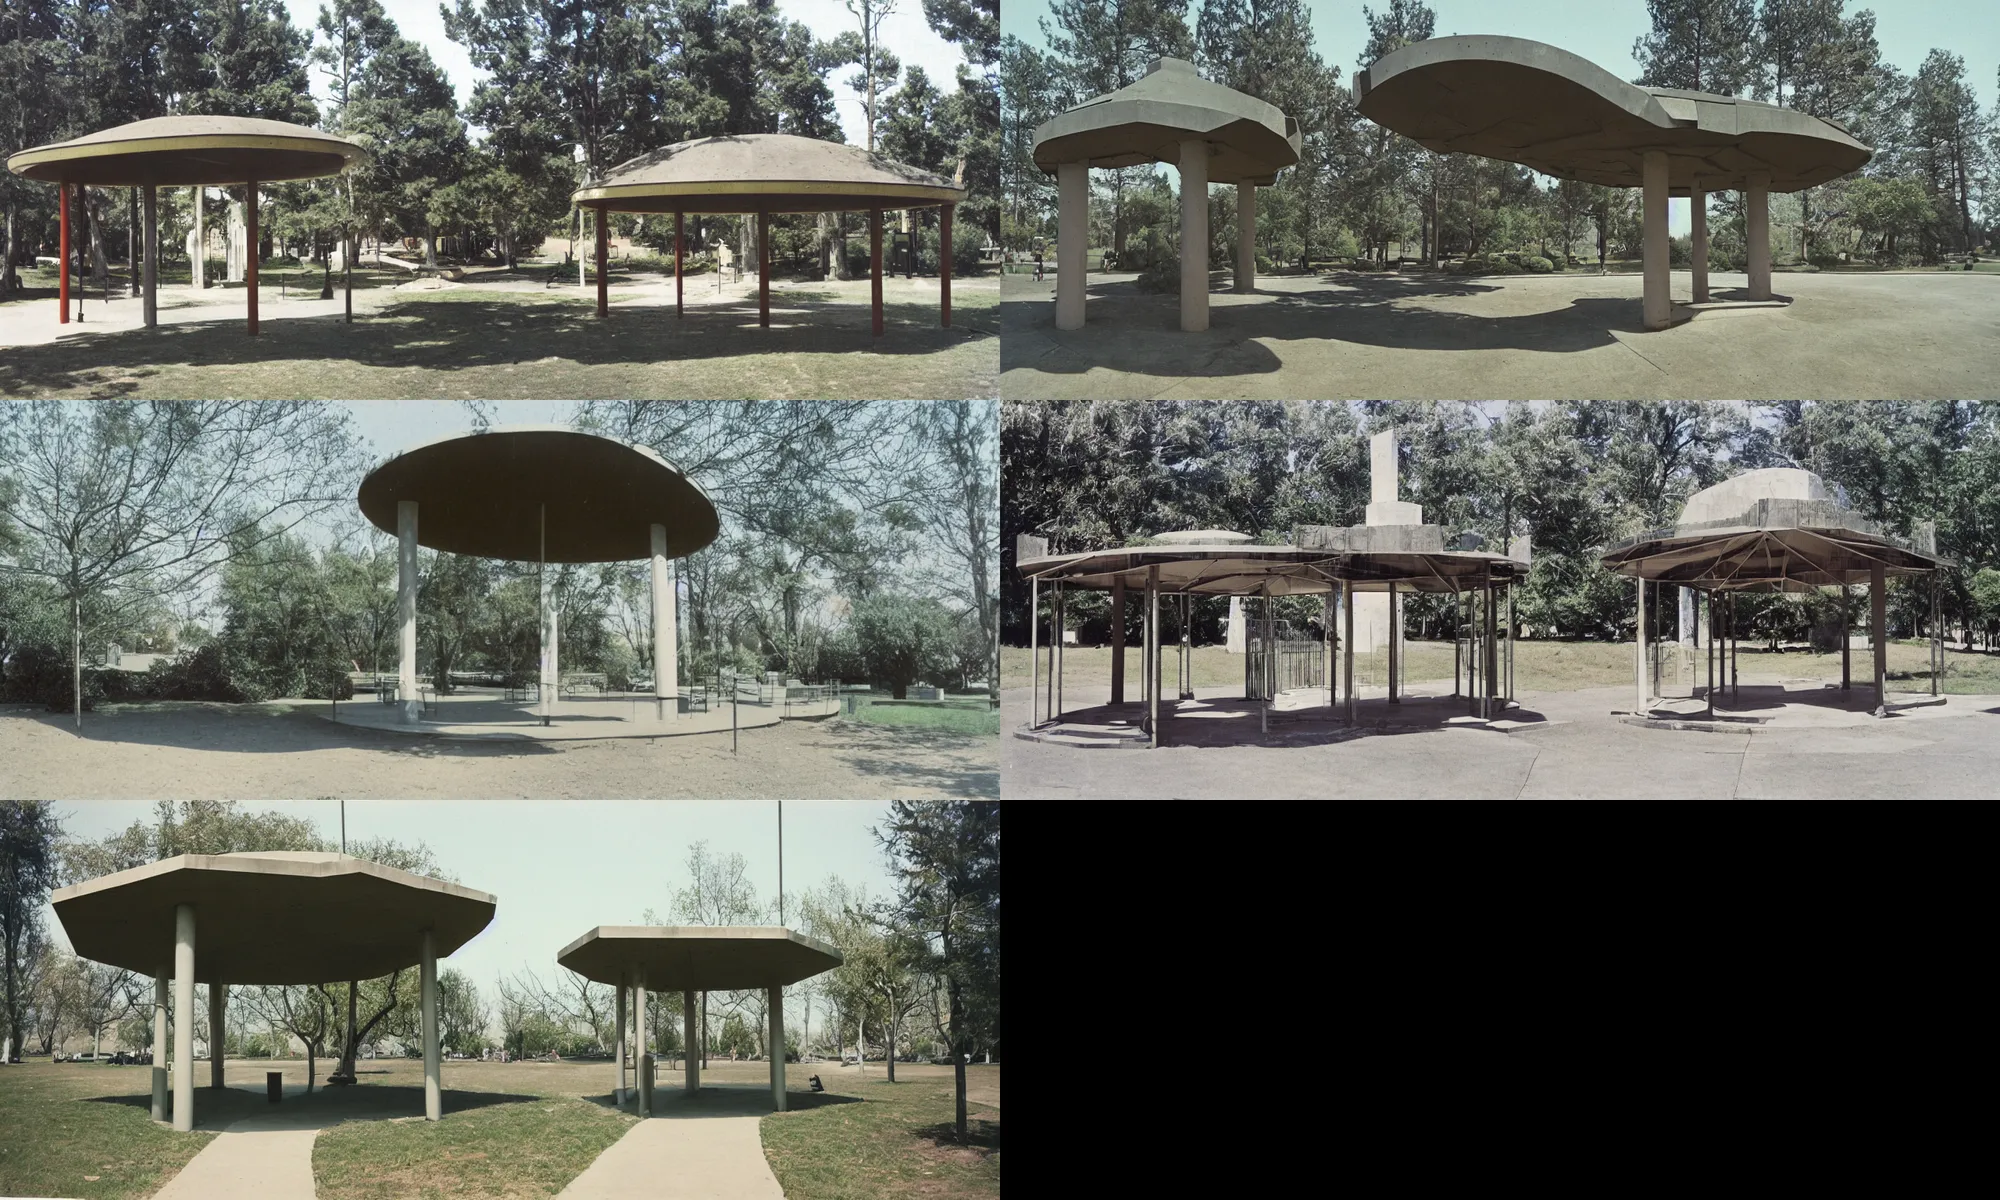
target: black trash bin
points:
(274, 1084)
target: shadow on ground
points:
(1237, 722)
(981, 1137)
(194, 725)
(215, 1109)
(463, 330)
(1139, 332)
(878, 754)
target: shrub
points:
(968, 241)
(43, 674)
(1680, 251)
(1538, 265)
(1162, 275)
(200, 675)
(1825, 260)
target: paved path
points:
(260, 1158)
(710, 1150)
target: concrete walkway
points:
(705, 1149)
(259, 1158)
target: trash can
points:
(274, 1084)
(645, 1077)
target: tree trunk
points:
(132, 239)
(430, 246)
(893, 1023)
(353, 1039)
(76, 649)
(7, 275)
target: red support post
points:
(875, 265)
(764, 269)
(603, 263)
(944, 262)
(251, 249)
(62, 248)
(680, 309)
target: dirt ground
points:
(255, 752)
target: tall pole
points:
(150, 247)
(1347, 639)
(944, 265)
(428, 982)
(764, 269)
(406, 610)
(62, 248)
(250, 250)
(1034, 652)
(680, 306)
(1878, 601)
(183, 1018)
(781, 862)
(1152, 659)
(1118, 640)
(875, 268)
(1639, 648)
(603, 230)
(666, 631)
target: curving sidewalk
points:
(706, 1149)
(258, 1158)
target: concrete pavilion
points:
(1214, 134)
(276, 917)
(1339, 563)
(690, 959)
(540, 493)
(1776, 529)
(1530, 103)
(766, 173)
(198, 151)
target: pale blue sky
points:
(559, 868)
(1603, 32)
(905, 33)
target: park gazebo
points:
(763, 174)
(543, 494)
(1212, 133)
(1338, 563)
(1530, 103)
(1778, 529)
(691, 959)
(273, 917)
(182, 151)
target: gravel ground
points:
(255, 752)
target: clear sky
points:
(1603, 32)
(560, 868)
(905, 33)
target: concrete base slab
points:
(483, 716)
(1219, 716)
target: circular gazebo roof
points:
(1776, 529)
(486, 494)
(1369, 558)
(272, 917)
(1531, 103)
(1146, 121)
(765, 172)
(699, 958)
(186, 150)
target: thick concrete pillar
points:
(160, 1049)
(1698, 229)
(433, 1085)
(776, 1047)
(1347, 640)
(1072, 242)
(1757, 233)
(1194, 235)
(406, 610)
(691, 1043)
(642, 1044)
(1659, 301)
(1118, 641)
(200, 255)
(218, 999)
(551, 678)
(251, 251)
(183, 1018)
(1395, 638)
(1878, 626)
(1246, 237)
(618, 1094)
(150, 247)
(666, 631)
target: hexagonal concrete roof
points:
(1534, 104)
(766, 172)
(485, 494)
(1146, 121)
(699, 958)
(184, 150)
(271, 917)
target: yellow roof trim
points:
(75, 152)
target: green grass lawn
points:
(1539, 666)
(897, 1141)
(85, 1130)
(526, 1145)
(953, 716)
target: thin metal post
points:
(1034, 654)
(1395, 636)
(1056, 648)
(1153, 645)
(1846, 624)
(1347, 638)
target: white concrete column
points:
(690, 1045)
(183, 1018)
(1395, 630)
(1698, 225)
(1194, 235)
(551, 637)
(406, 610)
(200, 255)
(776, 1045)
(1072, 242)
(1757, 233)
(666, 631)
(619, 1093)
(1246, 237)
(642, 1043)
(433, 1085)
(1659, 301)
(218, 999)
(160, 1048)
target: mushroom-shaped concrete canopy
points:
(1367, 558)
(1531, 103)
(488, 493)
(188, 150)
(699, 958)
(1147, 120)
(1779, 528)
(765, 172)
(271, 917)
